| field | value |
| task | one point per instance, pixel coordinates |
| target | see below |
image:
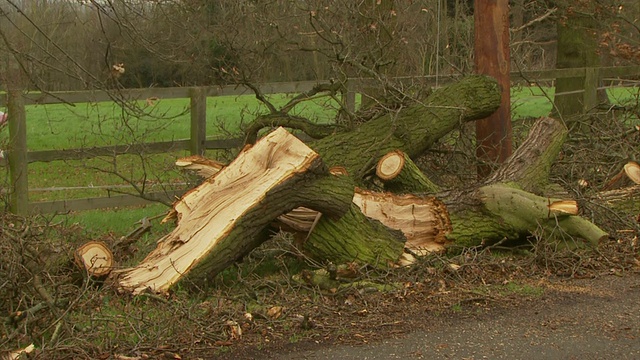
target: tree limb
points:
(316, 131)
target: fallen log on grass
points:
(228, 215)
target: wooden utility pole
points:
(493, 134)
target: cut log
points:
(401, 175)
(630, 174)
(625, 200)
(224, 218)
(95, 258)
(22, 353)
(632, 169)
(503, 211)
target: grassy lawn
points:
(533, 102)
(60, 126)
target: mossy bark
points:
(504, 211)
(530, 164)
(413, 130)
(354, 237)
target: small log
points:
(22, 353)
(401, 174)
(628, 175)
(95, 258)
(202, 166)
(632, 169)
(625, 200)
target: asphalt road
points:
(576, 319)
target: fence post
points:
(198, 139)
(17, 152)
(591, 82)
(351, 96)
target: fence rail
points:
(19, 157)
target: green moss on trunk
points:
(413, 130)
(354, 237)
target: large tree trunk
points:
(226, 217)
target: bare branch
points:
(331, 88)
(536, 20)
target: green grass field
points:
(60, 126)
(533, 102)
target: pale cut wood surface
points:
(208, 213)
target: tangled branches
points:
(37, 289)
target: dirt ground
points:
(539, 300)
(574, 319)
(511, 309)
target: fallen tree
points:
(227, 216)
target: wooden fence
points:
(19, 157)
